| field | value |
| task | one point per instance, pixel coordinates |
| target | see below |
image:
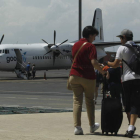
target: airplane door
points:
(19, 59)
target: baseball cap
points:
(125, 32)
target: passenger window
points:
(0, 51)
(38, 57)
(3, 51)
(35, 57)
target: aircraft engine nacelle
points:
(66, 49)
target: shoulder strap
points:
(130, 47)
(125, 62)
(77, 53)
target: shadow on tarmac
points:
(118, 135)
(25, 110)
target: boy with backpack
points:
(128, 53)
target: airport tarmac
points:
(39, 93)
(45, 98)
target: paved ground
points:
(54, 126)
(39, 93)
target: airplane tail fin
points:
(98, 24)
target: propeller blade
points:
(48, 52)
(54, 36)
(45, 41)
(63, 42)
(60, 52)
(1, 39)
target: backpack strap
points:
(133, 48)
(130, 47)
(125, 62)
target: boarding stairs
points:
(21, 70)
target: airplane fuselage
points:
(11, 55)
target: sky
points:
(29, 21)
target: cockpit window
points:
(4, 51)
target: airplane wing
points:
(110, 44)
(101, 45)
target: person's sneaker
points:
(130, 133)
(78, 131)
(94, 127)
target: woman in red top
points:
(82, 79)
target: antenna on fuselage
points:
(1, 39)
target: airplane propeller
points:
(1, 39)
(54, 48)
(54, 36)
(45, 41)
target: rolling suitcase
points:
(111, 113)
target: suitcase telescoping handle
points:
(104, 86)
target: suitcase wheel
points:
(106, 133)
(116, 133)
(102, 132)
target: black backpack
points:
(134, 63)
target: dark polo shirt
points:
(82, 66)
